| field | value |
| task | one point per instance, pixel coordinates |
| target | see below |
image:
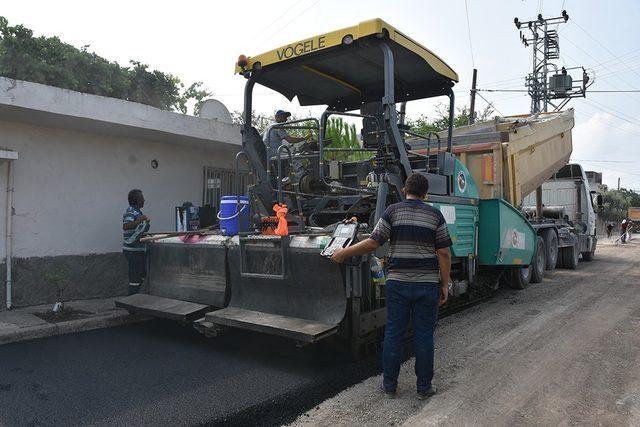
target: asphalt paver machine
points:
(283, 285)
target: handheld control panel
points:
(343, 236)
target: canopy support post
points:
(390, 113)
(451, 119)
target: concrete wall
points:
(71, 187)
(79, 155)
(70, 191)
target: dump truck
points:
(633, 213)
(285, 284)
(511, 157)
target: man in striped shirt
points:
(134, 224)
(418, 268)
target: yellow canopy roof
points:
(344, 68)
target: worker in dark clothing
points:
(609, 229)
(134, 224)
(419, 266)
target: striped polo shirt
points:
(415, 230)
(130, 215)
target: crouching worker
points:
(134, 224)
(419, 265)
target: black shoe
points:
(391, 394)
(427, 394)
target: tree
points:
(258, 120)
(423, 125)
(616, 203)
(50, 61)
(344, 135)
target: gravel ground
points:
(562, 352)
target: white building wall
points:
(71, 187)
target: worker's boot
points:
(134, 288)
(424, 395)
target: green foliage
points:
(50, 61)
(58, 278)
(616, 204)
(344, 135)
(423, 125)
(258, 120)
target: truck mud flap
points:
(282, 286)
(167, 308)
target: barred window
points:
(221, 182)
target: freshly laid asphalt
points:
(160, 373)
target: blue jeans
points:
(420, 300)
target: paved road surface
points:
(566, 351)
(562, 352)
(158, 373)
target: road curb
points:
(98, 321)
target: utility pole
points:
(547, 84)
(618, 183)
(472, 108)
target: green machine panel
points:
(505, 236)
(463, 183)
(461, 222)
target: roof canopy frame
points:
(340, 69)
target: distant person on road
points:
(609, 229)
(275, 137)
(623, 231)
(419, 266)
(134, 224)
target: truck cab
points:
(568, 200)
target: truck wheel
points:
(520, 277)
(588, 256)
(551, 248)
(539, 261)
(570, 256)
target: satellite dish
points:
(213, 109)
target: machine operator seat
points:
(258, 146)
(370, 125)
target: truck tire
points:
(539, 261)
(520, 277)
(551, 248)
(570, 256)
(588, 256)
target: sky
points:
(201, 40)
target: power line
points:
(589, 91)
(272, 22)
(289, 22)
(601, 63)
(614, 170)
(615, 128)
(613, 112)
(491, 104)
(604, 161)
(466, 8)
(597, 41)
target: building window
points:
(221, 182)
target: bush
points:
(50, 61)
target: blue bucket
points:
(234, 218)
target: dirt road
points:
(562, 352)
